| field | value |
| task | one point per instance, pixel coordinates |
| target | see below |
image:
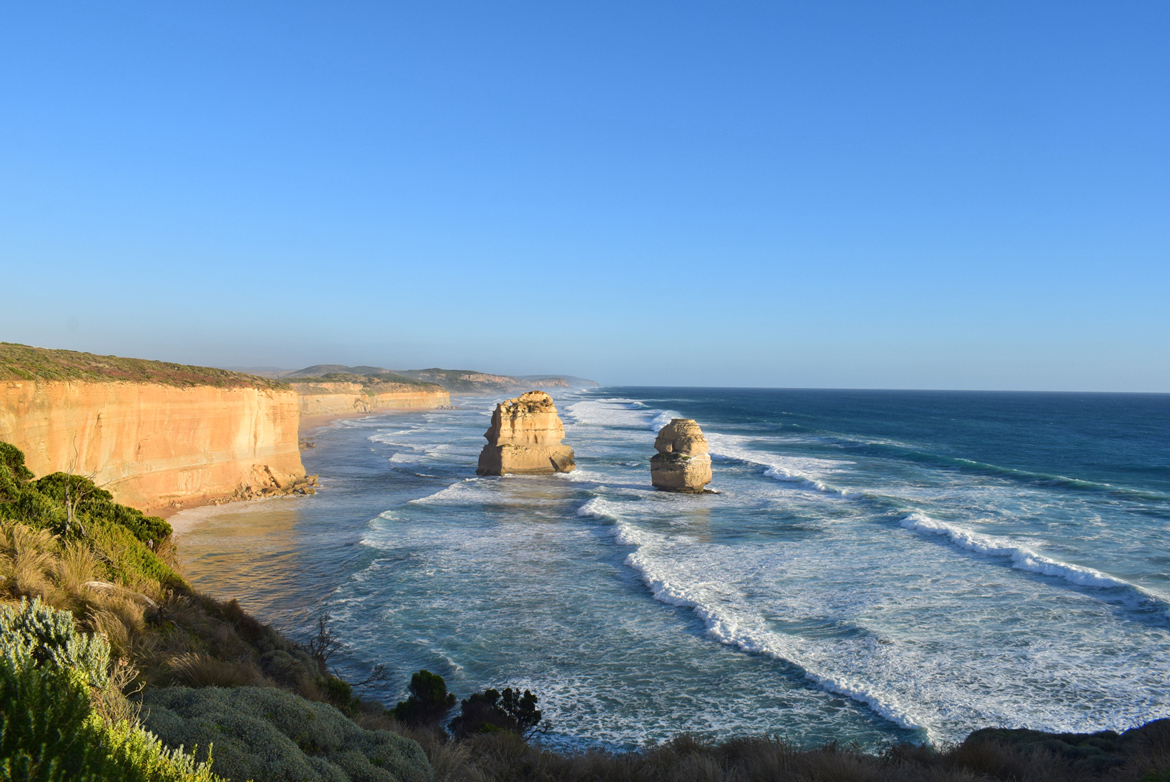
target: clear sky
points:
(826, 194)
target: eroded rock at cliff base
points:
(683, 462)
(525, 439)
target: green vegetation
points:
(269, 734)
(428, 703)
(21, 362)
(491, 711)
(54, 683)
(370, 384)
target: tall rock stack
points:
(525, 439)
(683, 462)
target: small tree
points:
(491, 710)
(429, 700)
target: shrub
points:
(47, 636)
(50, 730)
(270, 734)
(428, 702)
(491, 711)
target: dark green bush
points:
(269, 734)
(491, 711)
(428, 702)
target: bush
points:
(491, 711)
(266, 733)
(47, 636)
(428, 702)
(49, 728)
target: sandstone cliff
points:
(525, 438)
(339, 398)
(683, 463)
(155, 435)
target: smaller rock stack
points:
(525, 439)
(683, 462)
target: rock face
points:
(158, 446)
(320, 399)
(525, 439)
(682, 463)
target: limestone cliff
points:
(155, 435)
(525, 438)
(339, 398)
(683, 462)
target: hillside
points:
(456, 381)
(22, 362)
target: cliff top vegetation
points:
(370, 380)
(22, 362)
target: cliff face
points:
(153, 445)
(683, 461)
(525, 438)
(341, 398)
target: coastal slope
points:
(156, 435)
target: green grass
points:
(22, 362)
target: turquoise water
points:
(877, 566)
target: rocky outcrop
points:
(525, 438)
(157, 446)
(683, 463)
(343, 398)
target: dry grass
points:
(501, 757)
(26, 561)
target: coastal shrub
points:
(428, 701)
(270, 734)
(123, 537)
(491, 711)
(51, 675)
(95, 503)
(47, 636)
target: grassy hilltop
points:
(21, 362)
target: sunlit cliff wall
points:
(154, 445)
(341, 398)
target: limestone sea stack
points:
(525, 439)
(683, 462)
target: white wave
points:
(460, 492)
(804, 471)
(713, 601)
(662, 419)
(618, 412)
(390, 438)
(1021, 556)
(599, 508)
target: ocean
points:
(875, 567)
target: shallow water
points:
(877, 566)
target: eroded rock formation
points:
(683, 462)
(525, 438)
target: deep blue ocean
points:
(876, 566)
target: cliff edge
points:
(154, 434)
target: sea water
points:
(874, 567)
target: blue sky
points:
(836, 194)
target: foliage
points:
(50, 731)
(47, 636)
(125, 538)
(428, 702)
(491, 710)
(21, 362)
(266, 733)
